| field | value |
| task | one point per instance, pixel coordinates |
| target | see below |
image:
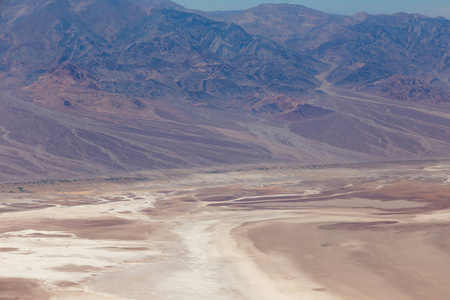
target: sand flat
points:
(359, 261)
(325, 234)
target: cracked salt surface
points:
(54, 256)
(192, 274)
(129, 205)
(40, 254)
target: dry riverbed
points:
(356, 232)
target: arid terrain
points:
(106, 87)
(272, 153)
(330, 232)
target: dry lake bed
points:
(339, 232)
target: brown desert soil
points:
(356, 232)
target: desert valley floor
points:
(337, 232)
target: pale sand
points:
(392, 261)
(338, 234)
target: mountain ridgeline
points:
(363, 50)
(93, 87)
(155, 49)
(149, 52)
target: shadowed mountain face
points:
(149, 52)
(100, 87)
(363, 49)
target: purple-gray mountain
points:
(99, 87)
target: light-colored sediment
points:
(327, 234)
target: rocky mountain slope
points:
(363, 49)
(101, 87)
(149, 52)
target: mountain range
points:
(97, 87)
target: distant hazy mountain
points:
(159, 4)
(279, 22)
(94, 87)
(363, 49)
